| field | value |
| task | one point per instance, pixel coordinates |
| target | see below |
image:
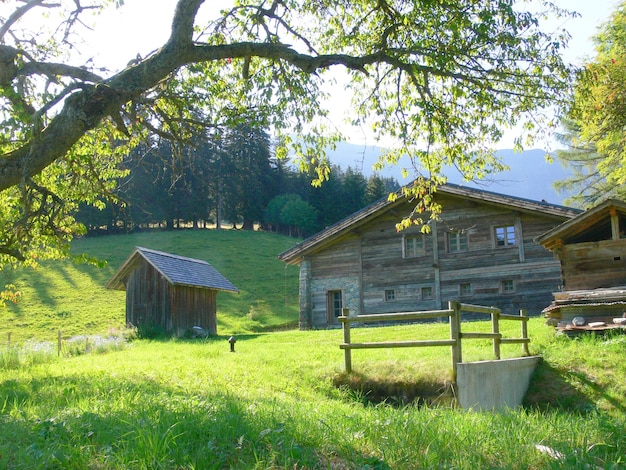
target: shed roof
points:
(331, 233)
(178, 270)
(591, 224)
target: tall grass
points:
(272, 404)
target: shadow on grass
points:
(370, 390)
(571, 391)
(70, 422)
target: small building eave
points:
(553, 239)
(219, 282)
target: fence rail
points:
(453, 313)
(74, 345)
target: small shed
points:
(172, 292)
(591, 248)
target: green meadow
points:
(281, 400)
(72, 297)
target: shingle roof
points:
(178, 270)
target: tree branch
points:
(51, 69)
(21, 11)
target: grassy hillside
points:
(72, 297)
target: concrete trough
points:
(494, 385)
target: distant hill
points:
(530, 175)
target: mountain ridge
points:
(530, 175)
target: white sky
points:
(141, 26)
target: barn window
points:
(390, 294)
(505, 236)
(507, 286)
(413, 246)
(427, 293)
(465, 289)
(456, 241)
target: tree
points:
(444, 78)
(586, 186)
(595, 122)
(249, 151)
(377, 188)
(290, 211)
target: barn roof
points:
(337, 230)
(178, 270)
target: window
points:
(390, 294)
(505, 236)
(427, 293)
(508, 286)
(457, 241)
(414, 245)
(465, 288)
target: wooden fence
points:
(84, 345)
(454, 311)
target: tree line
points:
(232, 177)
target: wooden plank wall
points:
(150, 298)
(536, 273)
(192, 306)
(147, 295)
(593, 265)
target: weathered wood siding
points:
(593, 265)
(370, 262)
(150, 298)
(336, 268)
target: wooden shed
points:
(591, 249)
(171, 292)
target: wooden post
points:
(495, 329)
(59, 343)
(346, 339)
(522, 313)
(455, 335)
(9, 340)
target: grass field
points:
(275, 402)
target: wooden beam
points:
(399, 344)
(614, 223)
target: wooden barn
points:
(481, 251)
(591, 249)
(171, 292)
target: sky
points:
(141, 26)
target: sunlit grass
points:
(272, 404)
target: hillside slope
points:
(62, 295)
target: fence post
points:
(495, 329)
(9, 340)
(59, 344)
(522, 313)
(455, 335)
(346, 339)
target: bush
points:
(149, 330)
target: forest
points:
(229, 178)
